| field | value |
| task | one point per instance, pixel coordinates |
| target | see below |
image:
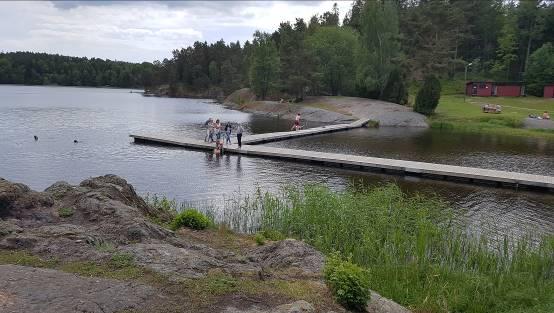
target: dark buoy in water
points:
(36, 138)
(75, 141)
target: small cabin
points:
(494, 89)
(549, 91)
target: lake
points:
(101, 120)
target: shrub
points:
(121, 260)
(272, 234)
(428, 96)
(190, 218)
(540, 71)
(395, 90)
(65, 212)
(348, 282)
(260, 239)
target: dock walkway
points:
(270, 137)
(413, 168)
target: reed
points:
(414, 250)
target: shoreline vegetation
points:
(411, 249)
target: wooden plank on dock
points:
(364, 162)
(270, 137)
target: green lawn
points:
(455, 113)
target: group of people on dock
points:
(218, 133)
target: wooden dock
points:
(270, 137)
(412, 168)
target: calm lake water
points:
(102, 119)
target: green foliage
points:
(166, 209)
(122, 260)
(335, 50)
(297, 62)
(51, 69)
(273, 234)
(428, 96)
(348, 282)
(416, 254)
(65, 212)
(259, 238)
(540, 70)
(379, 36)
(264, 65)
(190, 218)
(396, 89)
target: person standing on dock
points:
(228, 133)
(296, 125)
(210, 131)
(239, 135)
(208, 123)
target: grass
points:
(216, 284)
(120, 266)
(455, 113)
(65, 212)
(414, 252)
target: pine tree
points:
(428, 96)
(264, 67)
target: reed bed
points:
(416, 250)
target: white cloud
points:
(140, 31)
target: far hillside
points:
(29, 68)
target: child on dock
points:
(296, 125)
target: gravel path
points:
(26, 289)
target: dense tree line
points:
(378, 48)
(48, 69)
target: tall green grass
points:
(415, 253)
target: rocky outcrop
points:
(104, 215)
(24, 289)
(293, 257)
(240, 97)
(295, 307)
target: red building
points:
(549, 91)
(495, 89)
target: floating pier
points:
(270, 137)
(410, 168)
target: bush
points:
(122, 260)
(190, 218)
(260, 239)
(428, 96)
(274, 235)
(540, 71)
(348, 282)
(65, 212)
(396, 90)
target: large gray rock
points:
(177, 263)
(9, 227)
(26, 289)
(379, 304)
(18, 201)
(289, 256)
(295, 307)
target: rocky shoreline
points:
(99, 247)
(329, 109)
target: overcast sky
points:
(141, 31)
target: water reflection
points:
(102, 119)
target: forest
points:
(378, 50)
(30, 68)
